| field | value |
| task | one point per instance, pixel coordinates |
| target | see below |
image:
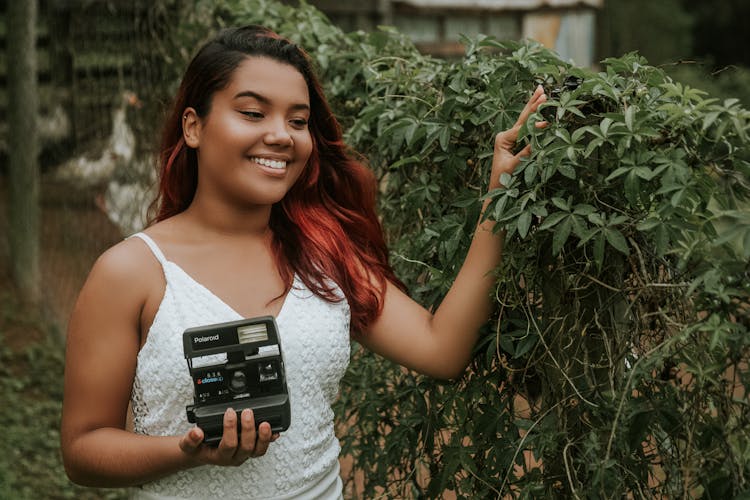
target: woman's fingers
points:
(505, 160)
(248, 435)
(505, 140)
(191, 441)
(526, 151)
(236, 445)
(264, 438)
(228, 444)
(250, 442)
(537, 98)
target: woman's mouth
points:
(276, 164)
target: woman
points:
(260, 212)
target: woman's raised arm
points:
(440, 344)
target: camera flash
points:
(252, 333)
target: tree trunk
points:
(23, 148)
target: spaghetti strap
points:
(153, 246)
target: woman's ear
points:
(191, 128)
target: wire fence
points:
(99, 73)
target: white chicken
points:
(129, 194)
(122, 181)
(96, 167)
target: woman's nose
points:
(278, 133)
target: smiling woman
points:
(254, 143)
(260, 212)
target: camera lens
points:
(238, 382)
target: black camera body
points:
(236, 365)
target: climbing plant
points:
(616, 359)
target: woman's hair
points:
(326, 228)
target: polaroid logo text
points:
(209, 338)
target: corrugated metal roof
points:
(502, 4)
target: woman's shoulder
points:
(125, 262)
(133, 260)
(133, 252)
(121, 282)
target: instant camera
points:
(236, 365)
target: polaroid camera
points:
(236, 365)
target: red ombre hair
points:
(325, 229)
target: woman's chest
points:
(314, 337)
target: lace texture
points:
(315, 345)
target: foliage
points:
(616, 360)
(31, 373)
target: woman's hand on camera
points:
(504, 160)
(232, 449)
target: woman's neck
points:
(225, 220)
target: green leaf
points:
(709, 120)
(506, 179)
(529, 172)
(586, 235)
(580, 228)
(584, 209)
(499, 211)
(576, 112)
(571, 152)
(617, 173)
(630, 117)
(524, 222)
(405, 161)
(525, 345)
(593, 145)
(648, 224)
(617, 240)
(578, 133)
(444, 138)
(632, 188)
(553, 220)
(597, 219)
(561, 203)
(560, 236)
(413, 132)
(644, 173)
(599, 250)
(563, 134)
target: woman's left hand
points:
(504, 161)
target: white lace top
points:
(315, 344)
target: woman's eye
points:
(299, 123)
(252, 114)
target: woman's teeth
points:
(269, 163)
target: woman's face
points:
(255, 141)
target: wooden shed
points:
(567, 26)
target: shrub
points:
(31, 381)
(616, 360)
